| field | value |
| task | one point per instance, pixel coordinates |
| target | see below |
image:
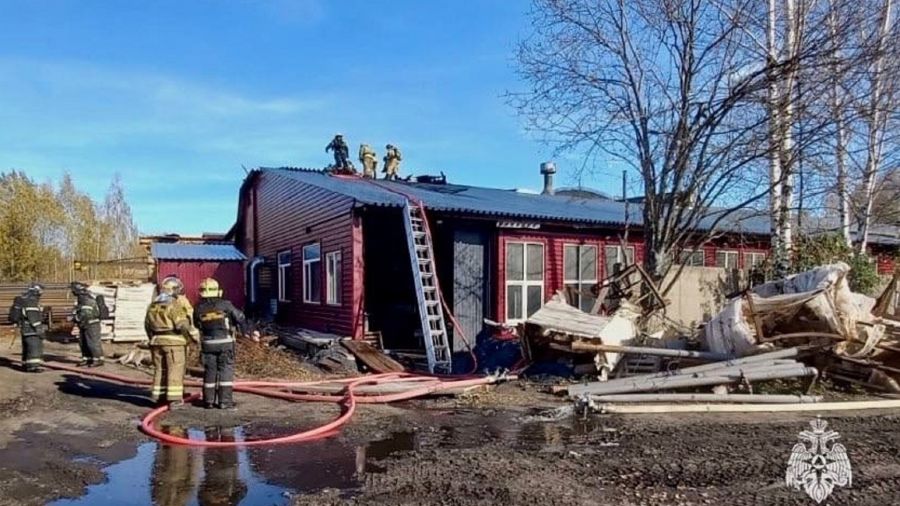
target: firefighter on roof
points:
(392, 159)
(369, 160)
(26, 313)
(341, 152)
(169, 329)
(217, 319)
(88, 311)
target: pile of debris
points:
(809, 325)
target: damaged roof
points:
(494, 202)
(205, 252)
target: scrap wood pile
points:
(801, 327)
(597, 343)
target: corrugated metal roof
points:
(493, 201)
(209, 252)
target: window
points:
(333, 278)
(727, 259)
(692, 258)
(580, 274)
(524, 279)
(617, 255)
(752, 259)
(285, 283)
(312, 274)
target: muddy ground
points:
(68, 440)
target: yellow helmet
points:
(209, 287)
(172, 286)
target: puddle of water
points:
(166, 475)
(178, 475)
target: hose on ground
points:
(289, 390)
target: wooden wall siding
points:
(885, 263)
(554, 269)
(289, 215)
(554, 243)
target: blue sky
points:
(177, 95)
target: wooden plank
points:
(374, 359)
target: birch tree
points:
(881, 80)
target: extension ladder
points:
(431, 312)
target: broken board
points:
(374, 359)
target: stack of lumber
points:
(131, 303)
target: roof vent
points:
(548, 169)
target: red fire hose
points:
(287, 390)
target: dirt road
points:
(76, 441)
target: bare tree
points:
(675, 90)
(880, 87)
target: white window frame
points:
(689, 255)
(621, 257)
(307, 270)
(582, 284)
(284, 270)
(333, 275)
(524, 283)
(728, 253)
(749, 255)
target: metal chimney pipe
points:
(548, 169)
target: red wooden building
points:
(192, 263)
(329, 253)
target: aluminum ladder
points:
(431, 312)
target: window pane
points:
(284, 258)
(629, 255)
(610, 258)
(334, 278)
(315, 282)
(535, 260)
(515, 262)
(587, 301)
(588, 263)
(311, 252)
(572, 294)
(570, 258)
(726, 259)
(535, 298)
(698, 259)
(513, 302)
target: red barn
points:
(195, 262)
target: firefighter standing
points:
(89, 310)
(392, 159)
(216, 318)
(174, 282)
(369, 160)
(222, 483)
(341, 152)
(169, 330)
(27, 313)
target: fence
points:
(57, 301)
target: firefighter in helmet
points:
(88, 311)
(174, 282)
(27, 314)
(169, 329)
(392, 159)
(217, 318)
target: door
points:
(470, 284)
